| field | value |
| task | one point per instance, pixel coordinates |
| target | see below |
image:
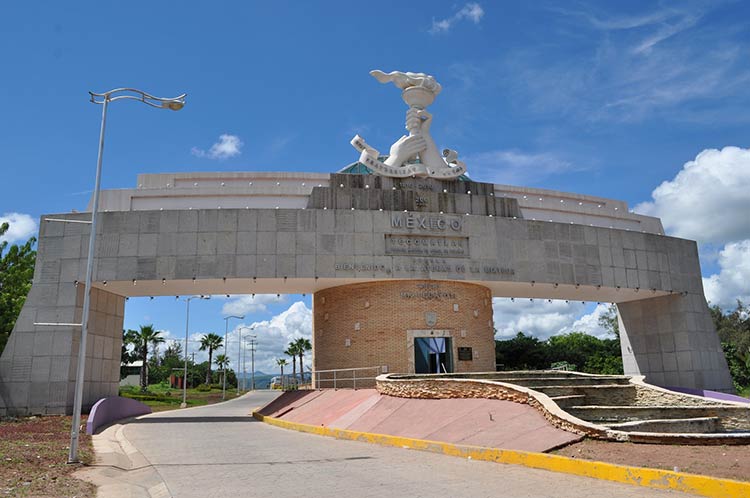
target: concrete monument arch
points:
(388, 259)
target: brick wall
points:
(368, 324)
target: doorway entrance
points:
(433, 355)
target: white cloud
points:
(542, 319)
(733, 280)
(665, 23)
(227, 146)
(273, 337)
(653, 63)
(256, 303)
(589, 323)
(21, 227)
(539, 317)
(515, 167)
(708, 200)
(471, 11)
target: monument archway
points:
(424, 249)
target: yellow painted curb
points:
(638, 476)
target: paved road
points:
(219, 451)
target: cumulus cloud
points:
(274, 335)
(589, 323)
(227, 146)
(21, 227)
(256, 303)
(471, 11)
(708, 200)
(733, 280)
(542, 319)
(539, 317)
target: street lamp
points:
(174, 104)
(226, 348)
(239, 356)
(187, 320)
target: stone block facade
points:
(457, 235)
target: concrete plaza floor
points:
(220, 450)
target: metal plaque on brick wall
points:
(465, 354)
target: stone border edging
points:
(712, 487)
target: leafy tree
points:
(590, 354)
(609, 321)
(303, 346)
(143, 338)
(292, 350)
(733, 328)
(522, 352)
(281, 362)
(595, 355)
(210, 342)
(126, 357)
(222, 361)
(16, 273)
(172, 357)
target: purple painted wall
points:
(107, 410)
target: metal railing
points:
(347, 378)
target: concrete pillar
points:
(672, 341)
(38, 365)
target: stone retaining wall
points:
(732, 416)
(442, 388)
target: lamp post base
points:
(183, 405)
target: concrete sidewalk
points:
(219, 450)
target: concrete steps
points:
(700, 425)
(612, 401)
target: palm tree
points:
(281, 362)
(211, 342)
(303, 346)
(222, 362)
(141, 340)
(291, 350)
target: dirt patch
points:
(730, 462)
(33, 456)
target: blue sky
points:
(641, 101)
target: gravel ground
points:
(731, 462)
(33, 456)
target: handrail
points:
(346, 369)
(337, 379)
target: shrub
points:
(203, 388)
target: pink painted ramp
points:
(479, 422)
(329, 406)
(288, 401)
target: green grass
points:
(745, 392)
(162, 397)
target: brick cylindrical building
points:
(408, 326)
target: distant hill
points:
(262, 380)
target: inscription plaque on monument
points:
(426, 245)
(465, 354)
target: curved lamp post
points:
(226, 350)
(174, 104)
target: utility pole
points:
(252, 363)
(241, 356)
